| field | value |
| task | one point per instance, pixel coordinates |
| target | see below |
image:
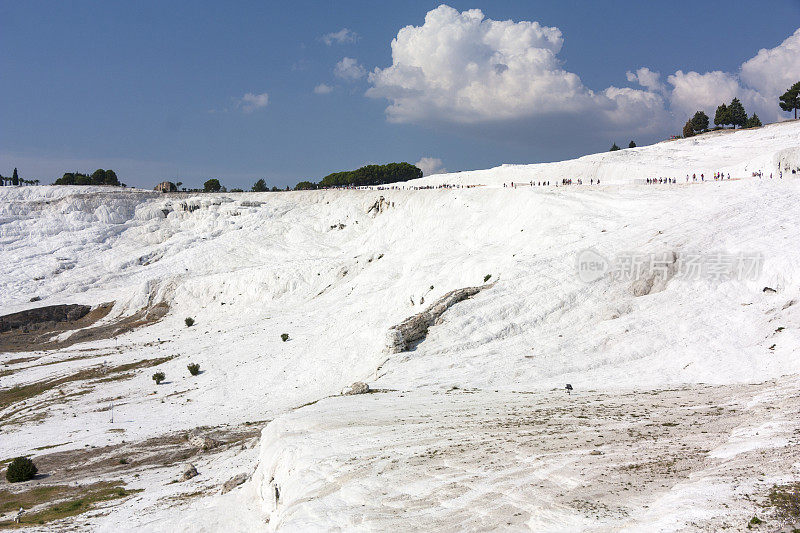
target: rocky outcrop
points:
(41, 315)
(189, 471)
(380, 205)
(199, 440)
(656, 279)
(415, 328)
(233, 482)
(359, 387)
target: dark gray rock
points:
(42, 315)
(234, 482)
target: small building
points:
(166, 186)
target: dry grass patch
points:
(58, 501)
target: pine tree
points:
(260, 186)
(14, 178)
(614, 147)
(722, 117)
(790, 100)
(688, 130)
(700, 121)
(737, 114)
(753, 122)
(631, 144)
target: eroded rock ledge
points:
(39, 315)
(415, 328)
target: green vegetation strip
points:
(71, 501)
(24, 392)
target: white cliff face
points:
(340, 276)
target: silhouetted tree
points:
(614, 147)
(700, 122)
(304, 186)
(15, 178)
(688, 129)
(212, 185)
(753, 122)
(737, 114)
(631, 144)
(98, 177)
(260, 186)
(722, 117)
(372, 175)
(790, 100)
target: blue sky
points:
(156, 90)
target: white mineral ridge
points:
(251, 266)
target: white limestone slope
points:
(739, 153)
(336, 277)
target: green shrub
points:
(486, 277)
(158, 377)
(189, 322)
(20, 469)
(194, 369)
(284, 337)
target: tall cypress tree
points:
(738, 116)
(15, 177)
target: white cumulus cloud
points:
(461, 67)
(760, 81)
(349, 69)
(646, 78)
(251, 102)
(430, 166)
(340, 37)
(323, 88)
(771, 72)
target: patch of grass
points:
(24, 392)
(85, 500)
(51, 446)
(754, 522)
(487, 277)
(10, 501)
(785, 500)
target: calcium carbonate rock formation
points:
(359, 387)
(234, 482)
(189, 471)
(204, 442)
(415, 328)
